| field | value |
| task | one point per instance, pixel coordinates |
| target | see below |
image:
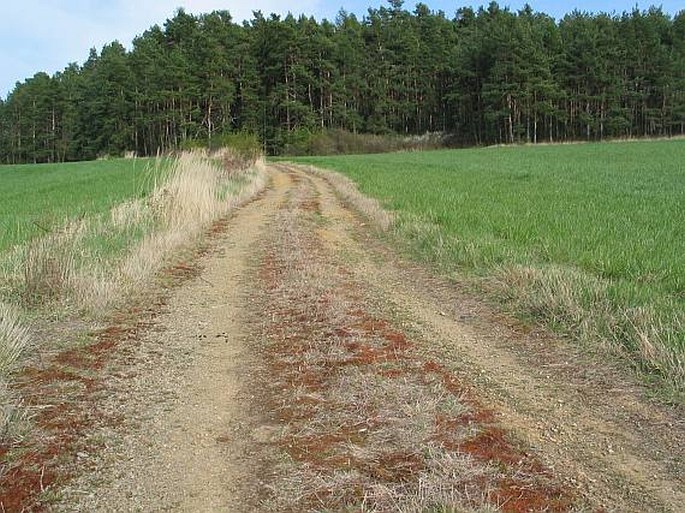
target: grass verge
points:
(586, 238)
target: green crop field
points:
(590, 237)
(35, 199)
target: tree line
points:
(484, 76)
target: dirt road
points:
(306, 367)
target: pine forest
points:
(477, 77)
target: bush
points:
(193, 144)
(342, 142)
(237, 150)
(244, 143)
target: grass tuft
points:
(14, 341)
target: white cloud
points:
(46, 35)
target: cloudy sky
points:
(46, 35)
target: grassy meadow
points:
(36, 199)
(589, 237)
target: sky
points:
(47, 35)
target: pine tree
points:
(485, 76)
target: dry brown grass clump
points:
(564, 296)
(14, 338)
(14, 341)
(49, 264)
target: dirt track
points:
(307, 367)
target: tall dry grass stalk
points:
(49, 263)
(194, 192)
(650, 336)
(191, 191)
(14, 341)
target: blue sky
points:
(46, 35)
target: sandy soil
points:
(186, 443)
(305, 366)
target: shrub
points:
(342, 142)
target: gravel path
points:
(187, 441)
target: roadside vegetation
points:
(586, 238)
(84, 237)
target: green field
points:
(590, 237)
(35, 199)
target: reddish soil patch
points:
(182, 270)
(302, 333)
(491, 445)
(63, 391)
(25, 481)
(392, 373)
(397, 467)
(517, 496)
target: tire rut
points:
(187, 440)
(589, 421)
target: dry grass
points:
(579, 302)
(365, 423)
(349, 193)
(192, 192)
(49, 264)
(75, 270)
(14, 341)
(234, 160)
